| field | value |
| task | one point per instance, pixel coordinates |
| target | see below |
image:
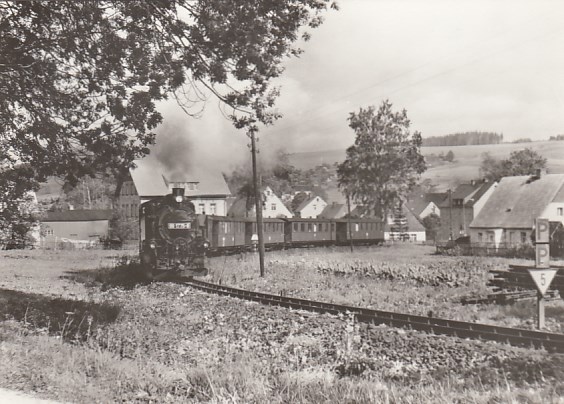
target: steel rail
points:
(514, 336)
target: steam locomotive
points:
(171, 237)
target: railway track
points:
(514, 336)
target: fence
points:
(488, 249)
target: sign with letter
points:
(542, 256)
(542, 278)
(542, 230)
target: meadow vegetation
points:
(79, 327)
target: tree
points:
(520, 162)
(385, 161)
(79, 80)
(432, 224)
(17, 215)
(298, 200)
(449, 156)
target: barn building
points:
(85, 227)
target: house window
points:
(273, 206)
(480, 235)
(212, 208)
(523, 237)
(560, 211)
(202, 208)
(49, 232)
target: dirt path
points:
(17, 397)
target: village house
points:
(77, 227)
(206, 188)
(424, 204)
(404, 227)
(461, 206)
(272, 206)
(507, 218)
(311, 208)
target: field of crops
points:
(409, 279)
(77, 327)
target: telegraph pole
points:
(258, 202)
(349, 220)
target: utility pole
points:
(450, 211)
(258, 202)
(349, 221)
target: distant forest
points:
(464, 139)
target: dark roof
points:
(78, 216)
(517, 201)
(417, 202)
(151, 178)
(469, 193)
(334, 211)
(239, 208)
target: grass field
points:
(77, 327)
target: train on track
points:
(173, 238)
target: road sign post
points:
(542, 275)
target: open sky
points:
(488, 65)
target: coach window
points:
(320, 227)
(295, 227)
(356, 227)
(523, 237)
(309, 226)
(332, 226)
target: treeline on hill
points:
(557, 137)
(464, 139)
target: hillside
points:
(466, 162)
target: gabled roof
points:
(307, 202)
(78, 216)
(517, 201)
(334, 211)
(413, 223)
(151, 178)
(418, 202)
(470, 193)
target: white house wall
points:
(313, 208)
(210, 206)
(273, 206)
(554, 212)
(430, 208)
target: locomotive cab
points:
(172, 242)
